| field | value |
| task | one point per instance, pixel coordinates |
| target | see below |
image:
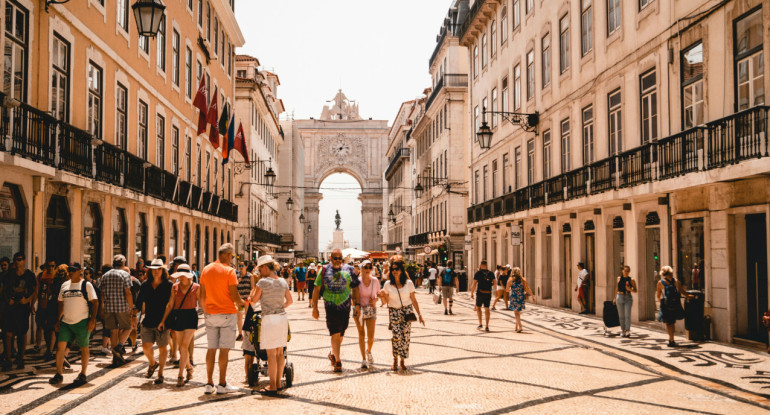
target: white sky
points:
(376, 51)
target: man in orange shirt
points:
(219, 296)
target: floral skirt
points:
(402, 331)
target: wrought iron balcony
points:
(419, 239)
(262, 236)
(450, 80)
(400, 153)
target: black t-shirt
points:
(154, 300)
(503, 278)
(485, 280)
(16, 287)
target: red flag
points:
(240, 143)
(211, 118)
(200, 103)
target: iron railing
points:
(262, 236)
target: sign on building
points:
(515, 235)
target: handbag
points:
(409, 316)
(173, 317)
(436, 298)
(368, 312)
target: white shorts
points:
(220, 330)
(275, 329)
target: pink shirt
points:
(367, 293)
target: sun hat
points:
(183, 270)
(156, 264)
(366, 262)
(264, 260)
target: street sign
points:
(427, 250)
(398, 249)
(515, 235)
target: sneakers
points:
(364, 364)
(80, 380)
(117, 355)
(56, 379)
(227, 388)
(479, 327)
(67, 363)
(671, 344)
(450, 312)
(487, 329)
(48, 356)
(209, 389)
(446, 313)
(370, 358)
(106, 351)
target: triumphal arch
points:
(340, 141)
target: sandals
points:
(159, 380)
(337, 367)
(403, 366)
(151, 370)
(269, 392)
(180, 382)
(332, 359)
(189, 375)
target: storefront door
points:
(648, 283)
(590, 261)
(566, 267)
(756, 275)
(57, 231)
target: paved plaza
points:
(561, 363)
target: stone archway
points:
(342, 142)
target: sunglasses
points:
(368, 267)
(19, 259)
(336, 258)
(395, 269)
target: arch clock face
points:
(341, 148)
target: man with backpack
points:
(78, 306)
(448, 285)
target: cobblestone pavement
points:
(561, 363)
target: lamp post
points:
(418, 190)
(289, 203)
(148, 15)
(528, 122)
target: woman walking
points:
(624, 300)
(153, 295)
(669, 293)
(310, 279)
(398, 292)
(181, 316)
(368, 291)
(274, 295)
(519, 289)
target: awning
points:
(434, 252)
(421, 254)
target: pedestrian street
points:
(560, 363)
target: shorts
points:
(152, 335)
(77, 332)
(220, 330)
(447, 292)
(117, 321)
(275, 331)
(582, 291)
(187, 319)
(46, 318)
(337, 319)
(301, 285)
(17, 319)
(247, 346)
(483, 299)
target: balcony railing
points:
(261, 236)
(30, 133)
(419, 239)
(448, 80)
(730, 140)
(400, 153)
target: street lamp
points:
(270, 176)
(379, 223)
(392, 216)
(301, 217)
(485, 136)
(289, 203)
(418, 190)
(148, 15)
(310, 228)
(528, 122)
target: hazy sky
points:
(376, 51)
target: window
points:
(60, 77)
(188, 72)
(216, 36)
(16, 52)
(692, 86)
(494, 179)
(175, 150)
(494, 107)
(175, 57)
(200, 13)
(503, 26)
(200, 164)
(613, 16)
(188, 159)
(517, 168)
(208, 171)
(615, 122)
(530, 75)
(94, 105)
(506, 184)
(530, 161)
(493, 37)
(644, 3)
(516, 14)
(483, 51)
(162, 45)
(144, 44)
(121, 107)
(484, 105)
(565, 146)
(546, 48)
(529, 5)
(749, 59)
(546, 154)
(216, 173)
(141, 131)
(160, 142)
(189, 5)
(484, 183)
(517, 87)
(586, 28)
(208, 21)
(588, 135)
(475, 61)
(123, 14)
(649, 106)
(564, 44)
(475, 120)
(505, 94)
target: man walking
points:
(432, 272)
(299, 280)
(219, 296)
(338, 282)
(47, 309)
(448, 286)
(485, 281)
(19, 291)
(118, 302)
(583, 282)
(78, 305)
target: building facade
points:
(98, 142)
(293, 222)
(258, 108)
(649, 149)
(398, 203)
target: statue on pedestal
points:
(338, 220)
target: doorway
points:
(590, 261)
(547, 266)
(648, 283)
(531, 273)
(57, 230)
(566, 267)
(756, 275)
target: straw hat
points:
(183, 270)
(156, 264)
(264, 260)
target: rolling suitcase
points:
(610, 316)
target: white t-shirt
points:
(432, 273)
(405, 291)
(582, 275)
(75, 309)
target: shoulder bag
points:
(409, 316)
(173, 317)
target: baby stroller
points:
(253, 323)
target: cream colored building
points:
(651, 149)
(293, 223)
(258, 108)
(398, 183)
(98, 149)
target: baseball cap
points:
(73, 267)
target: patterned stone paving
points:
(561, 363)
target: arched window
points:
(119, 232)
(141, 236)
(172, 239)
(159, 248)
(92, 236)
(11, 220)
